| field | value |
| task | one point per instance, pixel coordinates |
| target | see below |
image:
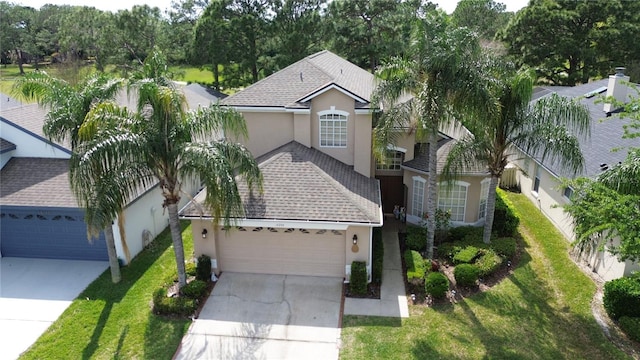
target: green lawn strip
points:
(192, 74)
(110, 321)
(541, 311)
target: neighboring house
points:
(543, 183)
(310, 129)
(39, 216)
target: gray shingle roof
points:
(7, 102)
(6, 146)
(31, 118)
(606, 133)
(421, 160)
(287, 87)
(305, 184)
(36, 182)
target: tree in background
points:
(183, 17)
(211, 40)
(485, 17)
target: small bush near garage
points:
(622, 297)
(416, 238)
(174, 305)
(505, 247)
(196, 289)
(415, 265)
(203, 269)
(505, 220)
(466, 255)
(436, 285)
(631, 326)
(358, 279)
(378, 255)
(190, 268)
(466, 275)
(488, 263)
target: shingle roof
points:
(36, 182)
(305, 184)
(606, 133)
(7, 102)
(31, 118)
(287, 87)
(421, 160)
(6, 146)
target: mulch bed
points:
(373, 292)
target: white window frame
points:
(484, 196)
(338, 137)
(536, 181)
(564, 193)
(392, 162)
(417, 205)
(445, 200)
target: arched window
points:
(453, 198)
(484, 194)
(417, 199)
(333, 128)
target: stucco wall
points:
(268, 131)
(341, 102)
(29, 146)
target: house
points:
(310, 130)
(39, 216)
(605, 147)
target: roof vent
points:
(595, 92)
(301, 76)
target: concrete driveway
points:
(250, 316)
(33, 294)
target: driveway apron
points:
(252, 316)
(33, 294)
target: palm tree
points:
(440, 75)
(624, 177)
(68, 106)
(164, 142)
(548, 129)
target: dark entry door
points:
(392, 192)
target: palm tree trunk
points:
(432, 186)
(114, 265)
(178, 247)
(491, 209)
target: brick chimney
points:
(617, 89)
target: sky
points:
(115, 5)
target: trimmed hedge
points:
(461, 232)
(436, 284)
(415, 265)
(505, 220)
(203, 269)
(194, 289)
(488, 263)
(358, 278)
(466, 255)
(466, 274)
(416, 238)
(190, 268)
(622, 297)
(631, 326)
(505, 247)
(178, 305)
(378, 256)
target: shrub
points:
(466, 255)
(631, 326)
(378, 255)
(505, 247)
(358, 279)
(447, 251)
(436, 284)
(416, 238)
(466, 274)
(203, 269)
(462, 232)
(190, 268)
(622, 297)
(179, 305)
(415, 265)
(505, 220)
(194, 289)
(487, 263)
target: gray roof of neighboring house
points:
(7, 102)
(31, 118)
(6, 146)
(287, 87)
(305, 184)
(606, 133)
(36, 182)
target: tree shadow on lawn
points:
(104, 289)
(362, 320)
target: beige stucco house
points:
(541, 181)
(310, 129)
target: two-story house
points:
(310, 129)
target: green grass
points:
(114, 321)
(541, 311)
(192, 74)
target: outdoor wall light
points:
(355, 239)
(204, 233)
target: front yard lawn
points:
(541, 311)
(114, 321)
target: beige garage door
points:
(283, 251)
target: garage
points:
(282, 251)
(49, 233)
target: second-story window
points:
(393, 161)
(333, 129)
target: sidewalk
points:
(393, 299)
